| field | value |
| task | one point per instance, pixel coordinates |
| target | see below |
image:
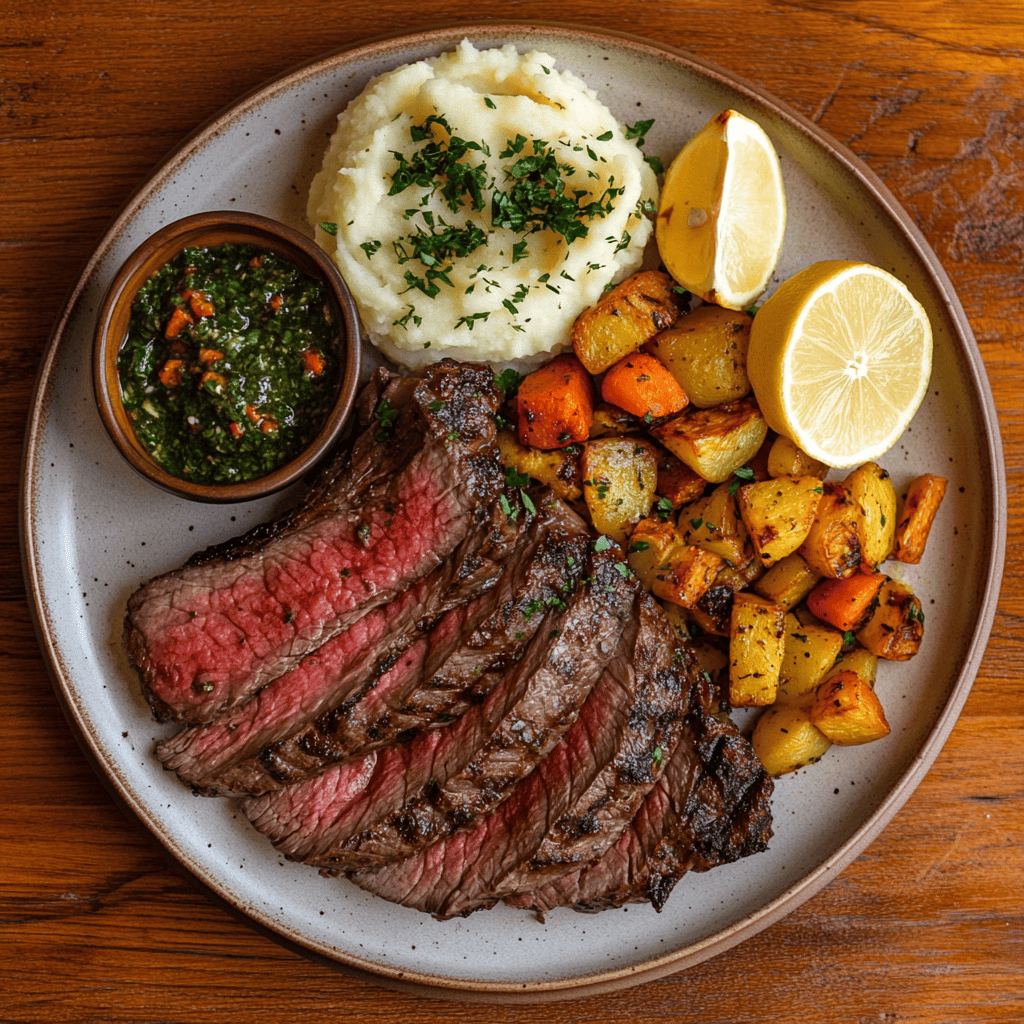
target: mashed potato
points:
(480, 201)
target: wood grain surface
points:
(925, 926)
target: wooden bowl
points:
(208, 230)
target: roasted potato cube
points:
(896, 626)
(713, 610)
(869, 485)
(786, 459)
(810, 652)
(832, 545)
(858, 660)
(630, 314)
(784, 739)
(739, 577)
(779, 514)
(706, 351)
(756, 645)
(619, 476)
(677, 482)
(686, 577)
(608, 421)
(848, 711)
(924, 495)
(787, 582)
(559, 469)
(651, 546)
(715, 442)
(713, 524)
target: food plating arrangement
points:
(587, 511)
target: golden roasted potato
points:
(706, 352)
(858, 660)
(559, 469)
(756, 645)
(869, 485)
(619, 476)
(630, 314)
(924, 495)
(785, 739)
(810, 652)
(739, 577)
(715, 442)
(832, 545)
(786, 459)
(713, 524)
(896, 626)
(779, 514)
(610, 421)
(677, 482)
(847, 710)
(787, 582)
(686, 577)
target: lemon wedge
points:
(722, 212)
(839, 360)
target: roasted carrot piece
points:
(924, 495)
(178, 322)
(643, 385)
(555, 404)
(846, 603)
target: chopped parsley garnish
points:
(370, 247)
(509, 381)
(386, 417)
(329, 226)
(663, 508)
(516, 479)
(603, 543)
(528, 503)
(638, 545)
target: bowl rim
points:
(218, 227)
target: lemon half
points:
(722, 212)
(839, 359)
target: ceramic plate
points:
(93, 531)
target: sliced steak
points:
(559, 670)
(666, 677)
(208, 636)
(710, 807)
(435, 681)
(470, 869)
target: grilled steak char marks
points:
(711, 807)
(560, 668)
(208, 636)
(469, 869)
(468, 652)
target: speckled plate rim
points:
(994, 543)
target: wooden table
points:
(926, 925)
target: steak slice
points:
(216, 759)
(438, 677)
(712, 806)
(558, 672)
(208, 636)
(469, 870)
(666, 677)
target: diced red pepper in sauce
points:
(314, 362)
(212, 378)
(177, 323)
(236, 429)
(201, 305)
(268, 426)
(209, 355)
(170, 373)
(251, 412)
(275, 302)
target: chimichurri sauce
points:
(231, 363)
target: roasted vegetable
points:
(869, 485)
(715, 442)
(847, 710)
(555, 404)
(756, 644)
(669, 568)
(924, 495)
(787, 582)
(706, 350)
(713, 524)
(896, 626)
(786, 459)
(810, 651)
(619, 476)
(832, 546)
(779, 514)
(784, 739)
(640, 385)
(858, 660)
(630, 314)
(846, 603)
(609, 421)
(559, 469)
(676, 481)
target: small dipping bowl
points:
(208, 230)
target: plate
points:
(92, 531)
